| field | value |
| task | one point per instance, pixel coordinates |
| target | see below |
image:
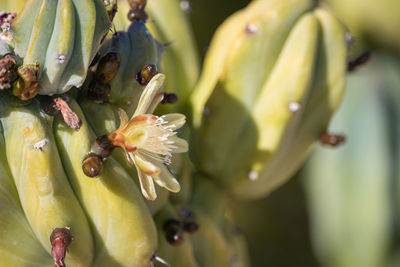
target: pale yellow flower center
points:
(152, 139)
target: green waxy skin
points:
(180, 61)
(136, 48)
(40, 36)
(113, 204)
(45, 194)
(22, 26)
(18, 245)
(62, 37)
(240, 66)
(329, 85)
(60, 46)
(211, 248)
(212, 244)
(295, 85)
(12, 6)
(269, 23)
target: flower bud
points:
(108, 67)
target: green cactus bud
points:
(26, 86)
(136, 48)
(18, 245)
(214, 243)
(180, 60)
(286, 63)
(176, 43)
(62, 37)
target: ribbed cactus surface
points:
(94, 100)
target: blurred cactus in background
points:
(374, 24)
(349, 189)
(94, 100)
(274, 92)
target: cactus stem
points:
(332, 139)
(359, 61)
(60, 239)
(70, 117)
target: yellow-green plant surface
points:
(96, 88)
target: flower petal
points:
(123, 117)
(149, 93)
(178, 145)
(145, 165)
(156, 100)
(167, 180)
(147, 186)
(174, 120)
